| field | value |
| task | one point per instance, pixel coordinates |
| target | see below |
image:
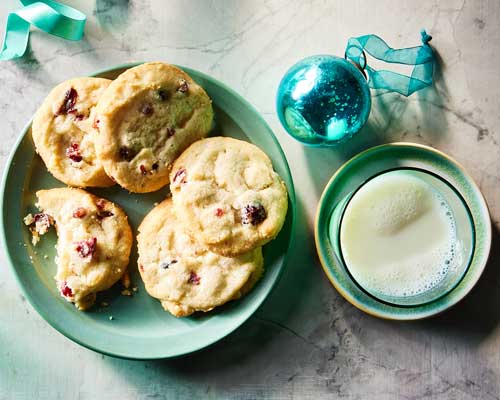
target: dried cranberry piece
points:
(104, 214)
(73, 152)
(219, 212)
(167, 264)
(69, 102)
(141, 267)
(126, 153)
(42, 223)
(43, 218)
(79, 117)
(162, 94)
(155, 166)
(86, 248)
(193, 278)
(253, 214)
(180, 175)
(170, 132)
(65, 289)
(95, 125)
(146, 109)
(80, 212)
(100, 204)
(143, 169)
(183, 87)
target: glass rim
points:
(469, 216)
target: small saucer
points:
(374, 161)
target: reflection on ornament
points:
(323, 100)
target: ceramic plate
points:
(139, 329)
(364, 166)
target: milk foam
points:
(398, 236)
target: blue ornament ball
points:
(323, 100)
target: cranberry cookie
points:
(227, 195)
(146, 118)
(185, 276)
(64, 134)
(94, 241)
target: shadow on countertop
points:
(478, 314)
(112, 13)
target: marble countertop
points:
(306, 341)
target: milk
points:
(398, 235)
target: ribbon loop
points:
(421, 57)
(48, 16)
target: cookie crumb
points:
(126, 280)
(104, 304)
(42, 222)
(126, 292)
(35, 237)
(28, 220)
(135, 289)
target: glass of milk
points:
(405, 236)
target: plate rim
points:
(254, 305)
(414, 313)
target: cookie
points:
(227, 195)
(252, 281)
(93, 245)
(64, 134)
(182, 274)
(146, 118)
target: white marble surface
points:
(306, 342)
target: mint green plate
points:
(364, 166)
(140, 329)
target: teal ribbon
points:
(47, 15)
(421, 57)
